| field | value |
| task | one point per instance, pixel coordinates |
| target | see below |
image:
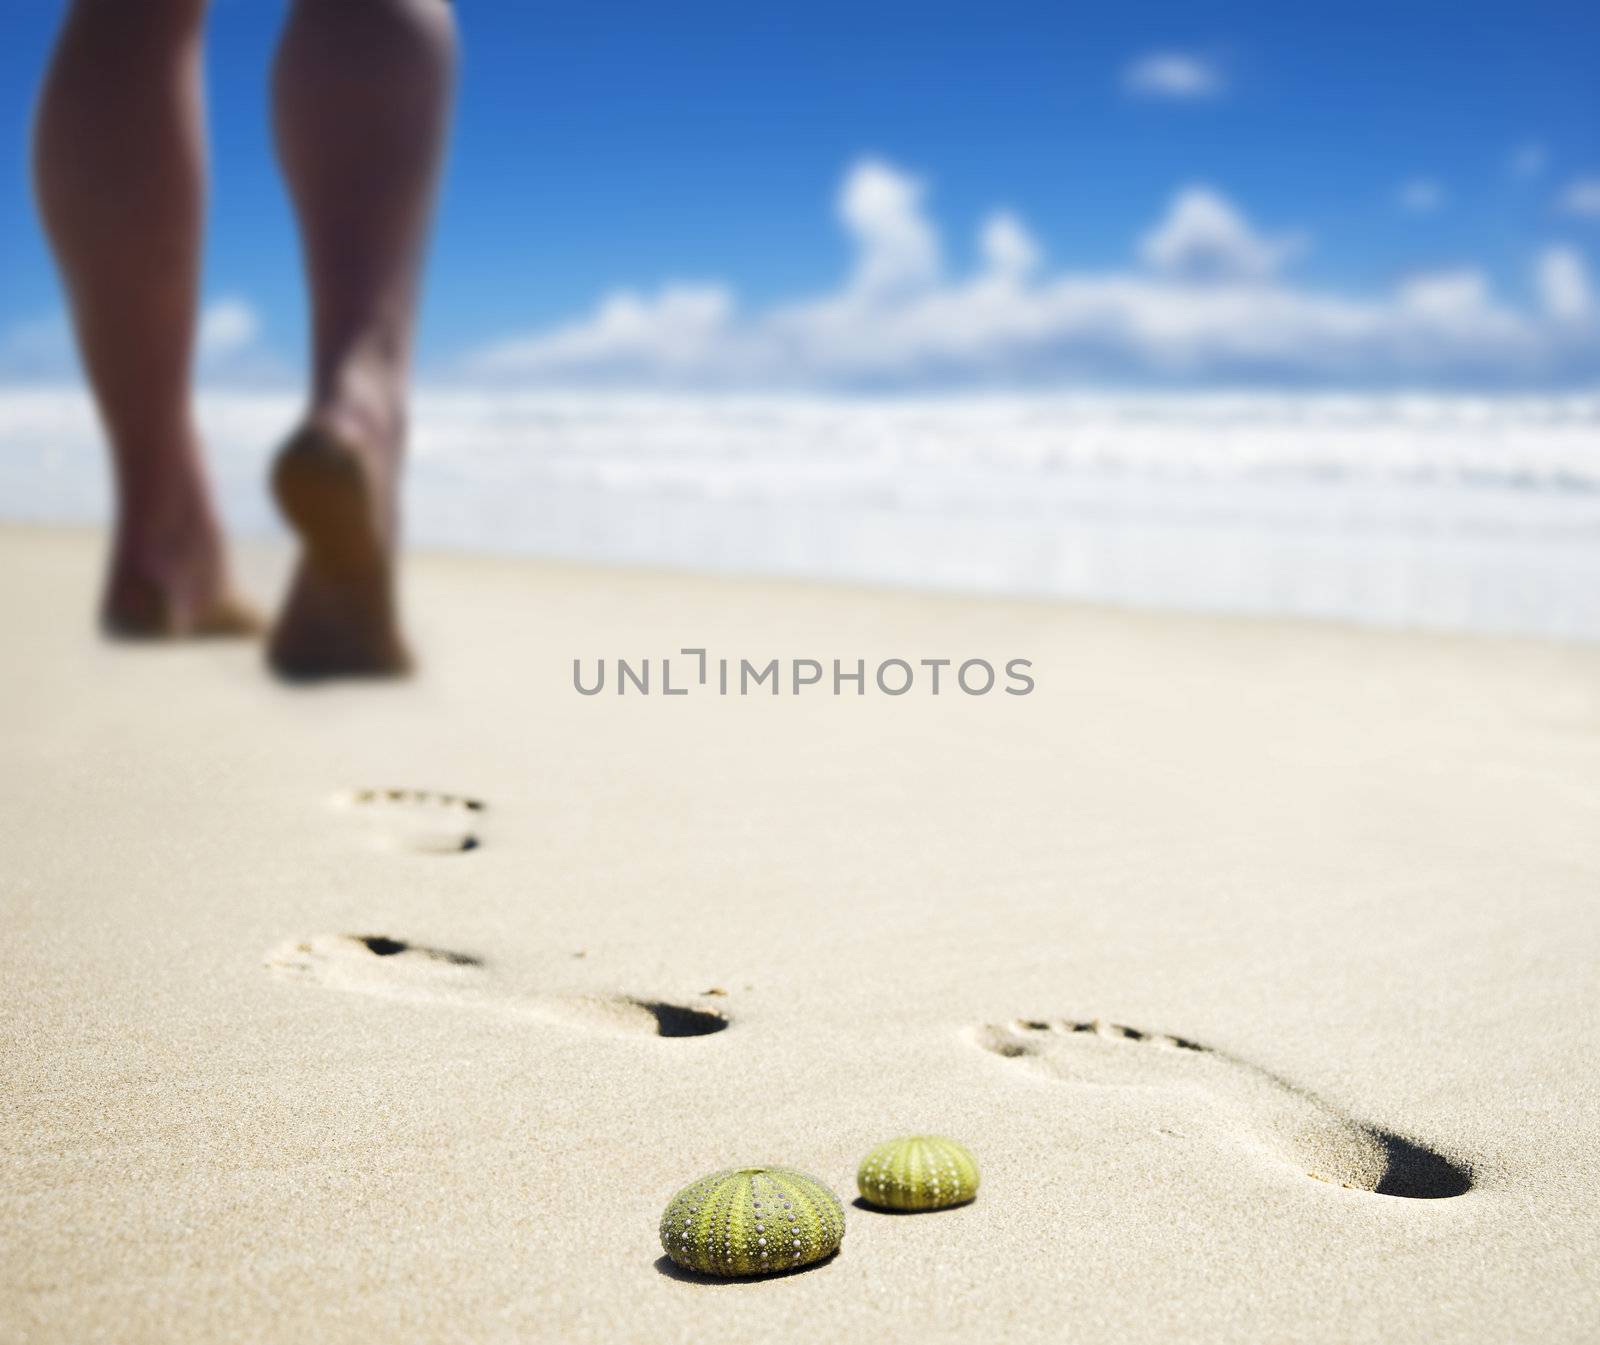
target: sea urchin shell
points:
(752, 1221)
(918, 1172)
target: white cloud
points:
(676, 331)
(1010, 252)
(38, 347)
(228, 326)
(1210, 304)
(1175, 75)
(898, 248)
(1205, 237)
(1529, 160)
(1581, 197)
(1445, 294)
(228, 347)
(1562, 279)
(1420, 196)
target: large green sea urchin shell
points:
(918, 1172)
(752, 1221)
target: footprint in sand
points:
(1287, 1120)
(375, 964)
(416, 819)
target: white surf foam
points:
(1447, 512)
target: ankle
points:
(163, 587)
(364, 404)
(170, 542)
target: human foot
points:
(335, 481)
(171, 582)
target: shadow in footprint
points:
(421, 820)
(1302, 1128)
(391, 968)
(679, 1020)
(1417, 1172)
(381, 945)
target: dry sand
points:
(1361, 870)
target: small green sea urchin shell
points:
(752, 1221)
(918, 1172)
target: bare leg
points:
(119, 164)
(362, 92)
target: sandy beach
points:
(288, 1059)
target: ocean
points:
(1442, 512)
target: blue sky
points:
(1383, 184)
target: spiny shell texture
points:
(752, 1221)
(918, 1172)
